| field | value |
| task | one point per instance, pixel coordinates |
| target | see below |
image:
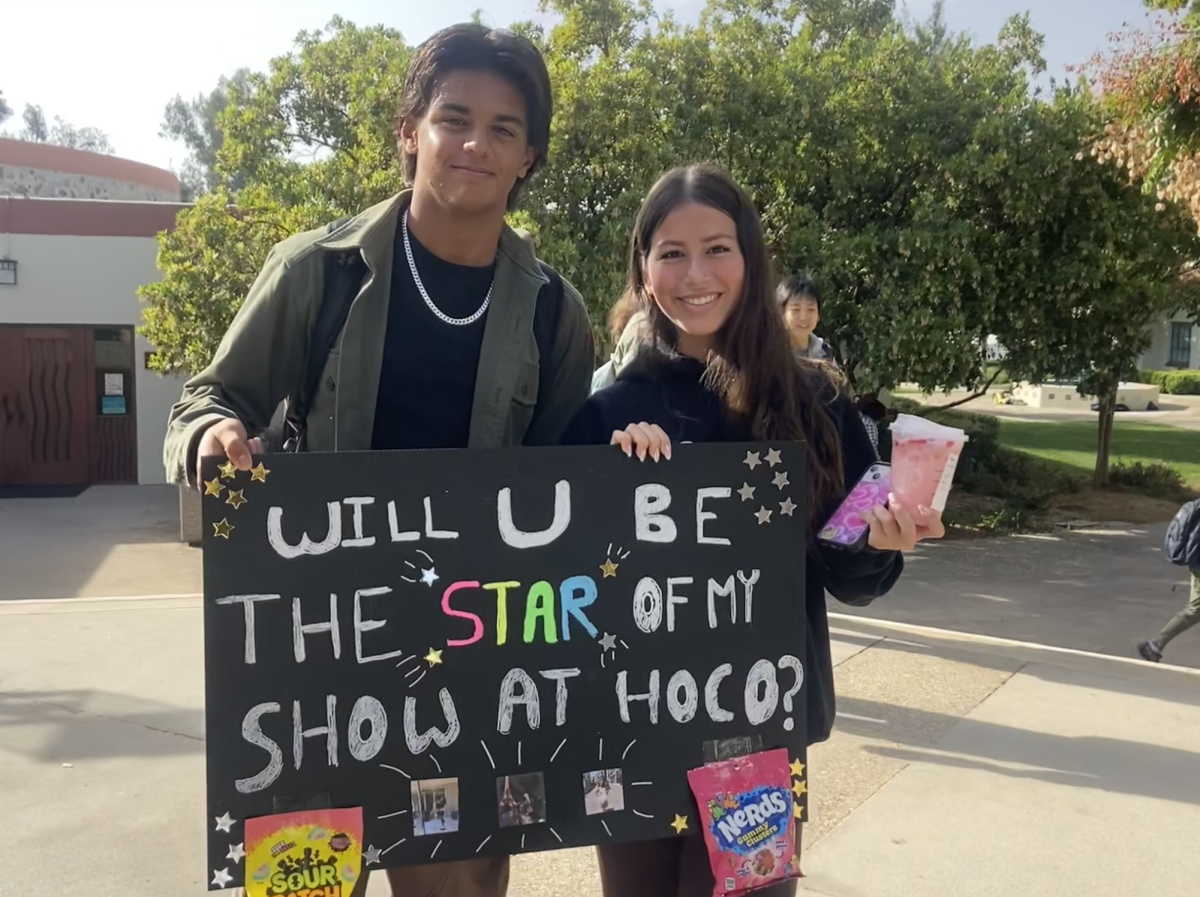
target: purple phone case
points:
(846, 528)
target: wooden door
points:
(45, 406)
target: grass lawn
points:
(1073, 444)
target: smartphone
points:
(846, 529)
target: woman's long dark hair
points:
(751, 366)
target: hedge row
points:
(1174, 383)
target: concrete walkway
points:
(1096, 589)
(110, 540)
(961, 764)
(956, 767)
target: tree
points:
(1149, 82)
(1191, 7)
(62, 133)
(195, 124)
(299, 145)
(5, 109)
(35, 130)
(937, 198)
(211, 258)
(1114, 259)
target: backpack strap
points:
(546, 316)
(342, 279)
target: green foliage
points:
(302, 144)
(1152, 478)
(1174, 383)
(210, 260)
(195, 124)
(62, 133)
(1191, 8)
(933, 194)
(5, 109)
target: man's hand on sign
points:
(894, 529)
(227, 439)
(645, 439)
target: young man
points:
(440, 348)
(801, 305)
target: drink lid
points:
(910, 426)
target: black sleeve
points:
(857, 579)
(587, 427)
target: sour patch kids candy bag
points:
(315, 853)
(749, 826)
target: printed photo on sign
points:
(435, 806)
(603, 791)
(728, 748)
(521, 799)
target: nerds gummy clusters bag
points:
(749, 826)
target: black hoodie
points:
(667, 390)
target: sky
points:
(114, 65)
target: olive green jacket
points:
(262, 357)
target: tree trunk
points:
(1108, 404)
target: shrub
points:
(1156, 479)
(1174, 383)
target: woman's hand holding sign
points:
(893, 528)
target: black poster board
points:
(360, 652)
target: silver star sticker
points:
(752, 460)
(746, 492)
(787, 506)
(773, 457)
(237, 852)
(608, 643)
(221, 877)
(781, 479)
(429, 577)
(371, 855)
(224, 823)
(763, 515)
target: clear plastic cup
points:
(924, 458)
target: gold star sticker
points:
(797, 768)
(258, 474)
(236, 498)
(213, 487)
(223, 529)
(433, 657)
(799, 788)
(679, 824)
(798, 811)
(609, 568)
(228, 471)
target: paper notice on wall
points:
(114, 384)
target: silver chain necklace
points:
(412, 266)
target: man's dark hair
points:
(797, 287)
(471, 47)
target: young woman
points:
(717, 366)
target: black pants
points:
(672, 867)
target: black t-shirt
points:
(427, 378)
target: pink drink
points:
(924, 457)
